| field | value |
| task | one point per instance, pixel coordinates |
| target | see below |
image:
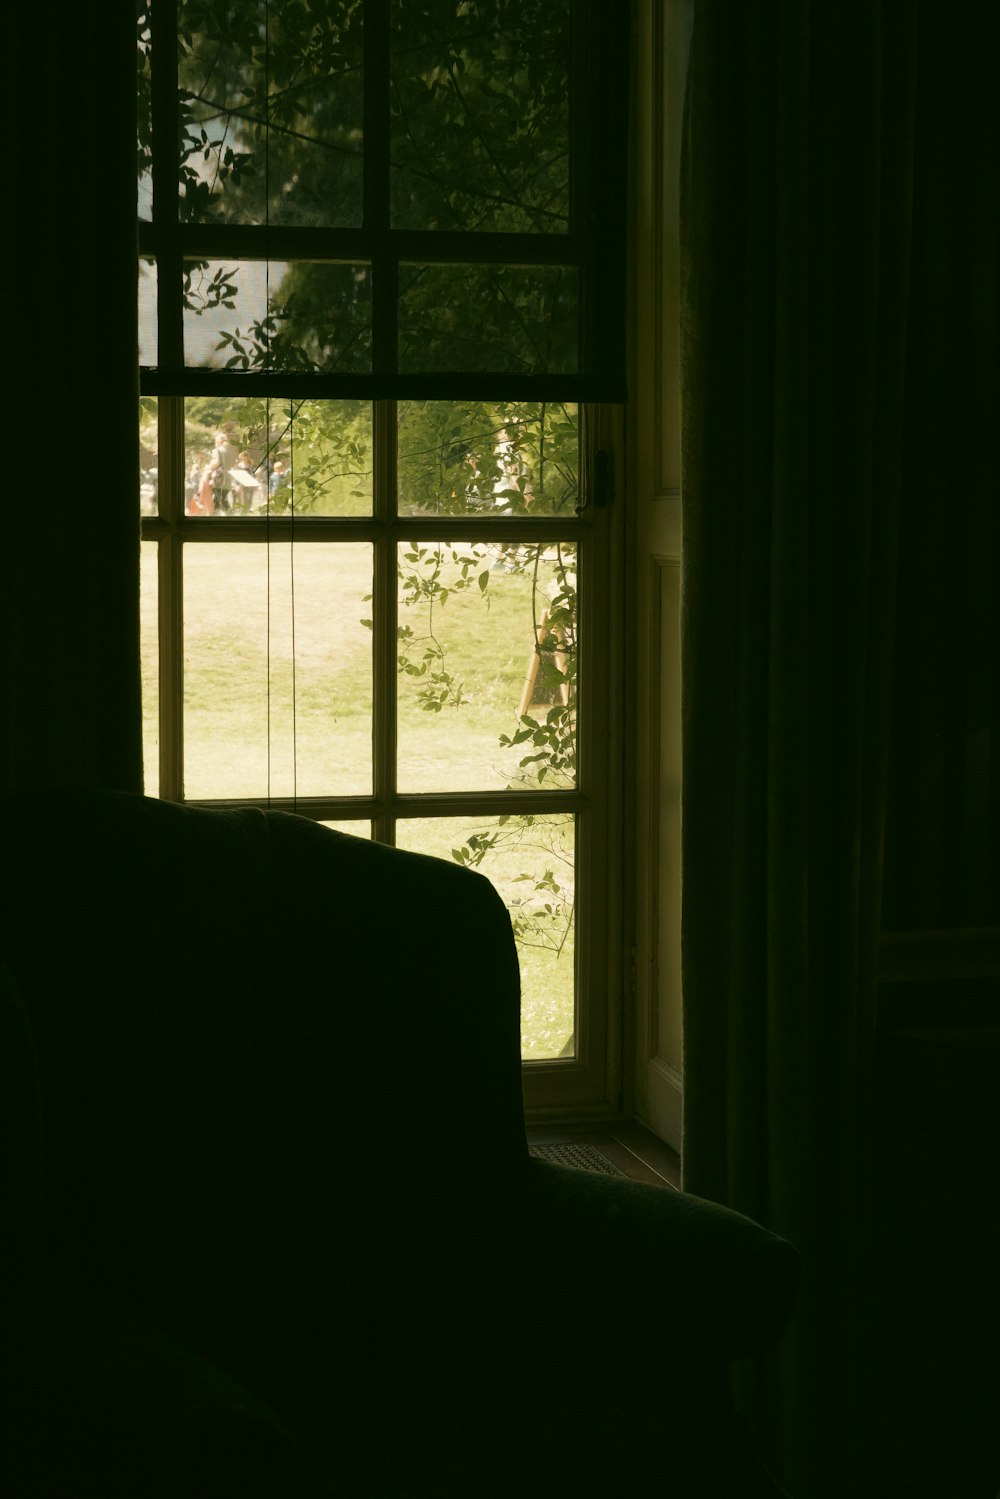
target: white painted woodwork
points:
(661, 46)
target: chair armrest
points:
(660, 1272)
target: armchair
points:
(270, 1233)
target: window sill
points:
(634, 1150)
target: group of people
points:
(224, 481)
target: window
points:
(379, 312)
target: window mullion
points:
(170, 476)
(384, 617)
(376, 227)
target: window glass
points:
(277, 670)
(266, 456)
(149, 655)
(144, 116)
(271, 105)
(488, 459)
(511, 319)
(487, 666)
(270, 315)
(149, 462)
(480, 115)
(147, 312)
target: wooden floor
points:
(628, 1145)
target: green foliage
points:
(271, 109)
(482, 458)
(542, 918)
(480, 115)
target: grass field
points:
(278, 701)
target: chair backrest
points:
(264, 1048)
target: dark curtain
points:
(70, 646)
(840, 645)
(796, 234)
(942, 845)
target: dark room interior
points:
(260, 1240)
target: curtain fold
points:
(796, 230)
(70, 636)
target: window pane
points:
(147, 312)
(530, 861)
(252, 456)
(465, 458)
(149, 654)
(277, 670)
(480, 115)
(144, 117)
(357, 829)
(487, 666)
(506, 319)
(270, 315)
(149, 463)
(271, 101)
